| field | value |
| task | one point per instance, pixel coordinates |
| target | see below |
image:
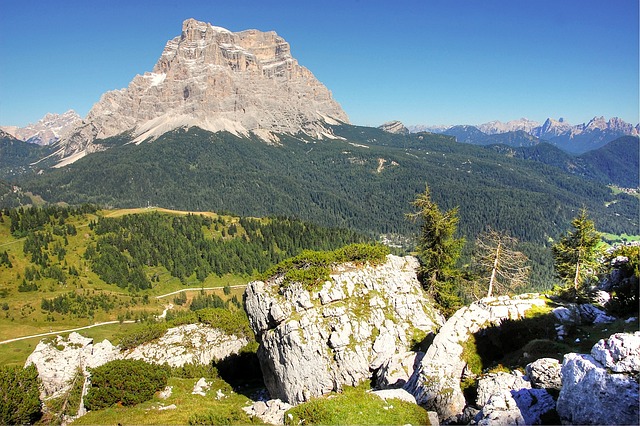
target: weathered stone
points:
(400, 394)
(545, 373)
(201, 387)
(339, 345)
(497, 383)
(59, 360)
(516, 407)
(270, 412)
(190, 343)
(436, 382)
(620, 353)
(590, 314)
(592, 395)
(397, 369)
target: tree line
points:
(198, 246)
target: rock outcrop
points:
(59, 360)
(436, 382)
(189, 344)
(314, 342)
(394, 127)
(602, 388)
(243, 82)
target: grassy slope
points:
(24, 316)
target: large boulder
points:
(620, 353)
(314, 342)
(516, 407)
(508, 399)
(592, 392)
(436, 382)
(545, 373)
(495, 383)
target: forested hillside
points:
(616, 163)
(64, 266)
(365, 182)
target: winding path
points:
(98, 324)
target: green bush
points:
(311, 268)
(143, 333)
(19, 395)
(126, 382)
(220, 416)
(231, 322)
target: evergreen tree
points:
(438, 249)
(19, 395)
(575, 254)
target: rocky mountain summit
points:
(48, 130)
(315, 342)
(246, 83)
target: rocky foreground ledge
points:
(315, 342)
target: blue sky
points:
(421, 62)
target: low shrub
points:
(126, 382)
(226, 416)
(143, 333)
(19, 395)
(311, 268)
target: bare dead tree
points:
(500, 263)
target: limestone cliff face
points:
(315, 342)
(245, 82)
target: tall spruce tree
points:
(575, 254)
(438, 249)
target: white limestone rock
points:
(201, 387)
(496, 383)
(361, 317)
(271, 411)
(620, 352)
(590, 394)
(189, 343)
(58, 360)
(397, 369)
(515, 407)
(436, 382)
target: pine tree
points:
(575, 254)
(438, 249)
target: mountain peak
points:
(243, 82)
(48, 130)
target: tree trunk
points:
(493, 272)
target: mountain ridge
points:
(245, 83)
(576, 139)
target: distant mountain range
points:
(574, 139)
